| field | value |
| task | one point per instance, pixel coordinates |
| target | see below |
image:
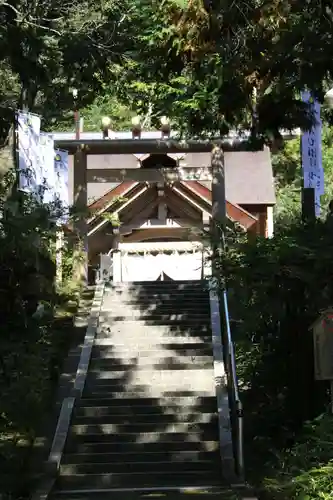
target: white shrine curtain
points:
(148, 267)
(183, 266)
(140, 267)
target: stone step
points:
(152, 299)
(163, 340)
(148, 328)
(151, 319)
(185, 290)
(155, 308)
(159, 285)
(143, 388)
(148, 292)
(204, 492)
(172, 445)
(137, 467)
(183, 398)
(195, 344)
(123, 343)
(158, 391)
(145, 411)
(145, 419)
(177, 457)
(85, 435)
(105, 352)
(158, 361)
(142, 291)
(119, 373)
(110, 318)
(189, 379)
(151, 356)
(144, 294)
(181, 284)
(151, 314)
(131, 367)
(139, 430)
(208, 492)
(156, 303)
(165, 285)
(137, 480)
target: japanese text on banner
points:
(311, 140)
(313, 173)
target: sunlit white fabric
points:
(140, 267)
(149, 267)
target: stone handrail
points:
(68, 404)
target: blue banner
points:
(313, 173)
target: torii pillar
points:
(80, 202)
(219, 212)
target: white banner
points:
(61, 179)
(46, 166)
(28, 130)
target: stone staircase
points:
(148, 418)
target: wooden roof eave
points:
(244, 218)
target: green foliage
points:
(196, 61)
(32, 345)
(199, 61)
(277, 288)
(306, 469)
(105, 104)
(50, 47)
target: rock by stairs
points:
(148, 416)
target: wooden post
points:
(308, 204)
(219, 213)
(80, 204)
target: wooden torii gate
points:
(81, 149)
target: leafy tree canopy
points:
(49, 47)
(195, 60)
(199, 62)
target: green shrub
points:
(32, 347)
(306, 470)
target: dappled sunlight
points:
(148, 415)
